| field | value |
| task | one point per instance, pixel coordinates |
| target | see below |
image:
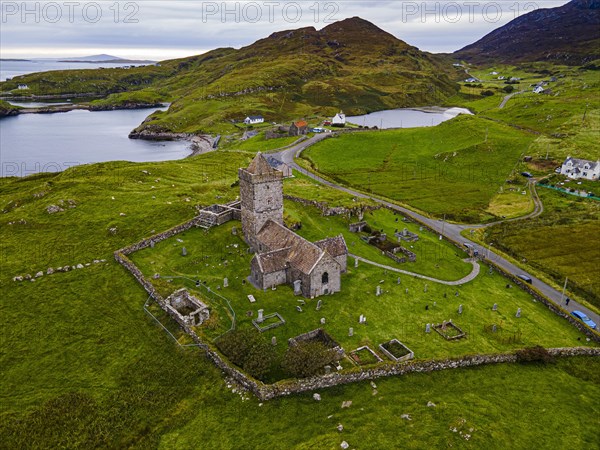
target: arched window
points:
(325, 278)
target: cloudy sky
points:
(166, 29)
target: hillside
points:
(569, 34)
(351, 65)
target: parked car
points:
(526, 174)
(471, 247)
(585, 319)
(525, 278)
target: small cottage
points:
(339, 120)
(580, 168)
(252, 120)
(298, 128)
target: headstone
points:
(344, 445)
(428, 328)
(495, 307)
(297, 287)
(234, 231)
(362, 319)
(350, 331)
(406, 291)
(298, 308)
(183, 251)
(460, 309)
(378, 291)
(319, 304)
(225, 282)
(518, 312)
(274, 341)
(456, 294)
(322, 320)
(259, 319)
(434, 304)
(355, 262)
(398, 280)
(425, 288)
(151, 244)
(317, 397)
(494, 328)
(327, 369)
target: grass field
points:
(454, 169)
(83, 366)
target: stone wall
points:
(326, 210)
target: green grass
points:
(447, 170)
(84, 366)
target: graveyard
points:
(376, 306)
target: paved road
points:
(508, 97)
(450, 231)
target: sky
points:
(158, 30)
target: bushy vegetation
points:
(307, 359)
(248, 349)
(537, 354)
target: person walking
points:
(567, 301)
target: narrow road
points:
(508, 97)
(471, 276)
(450, 231)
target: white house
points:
(339, 120)
(22, 87)
(251, 120)
(538, 90)
(494, 73)
(580, 168)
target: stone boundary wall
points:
(324, 206)
(288, 387)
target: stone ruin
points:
(318, 335)
(357, 227)
(215, 215)
(189, 309)
(406, 235)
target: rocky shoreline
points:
(200, 143)
(67, 108)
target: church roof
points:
(302, 254)
(274, 261)
(335, 246)
(260, 166)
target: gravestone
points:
(434, 304)
(298, 308)
(425, 288)
(406, 291)
(297, 287)
(494, 328)
(362, 319)
(398, 280)
(234, 231)
(427, 328)
(274, 341)
(378, 291)
(319, 304)
(495, 307)
(355, 262)
(225, 282)
(350, 331)
(460, 308)
(259, 319)
(518, 312)
(322, 320)
(183, 251)
(151, 244)
(327, 369)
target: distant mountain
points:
(98, 59)
(351, 65)
(569, 34)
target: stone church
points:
(282, 256)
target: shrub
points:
(537, 354)
(248, 349)
(487, 93)
(508, 89)
(307, 359)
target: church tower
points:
(261, 194)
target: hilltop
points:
(351, 65)
(569, 34)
